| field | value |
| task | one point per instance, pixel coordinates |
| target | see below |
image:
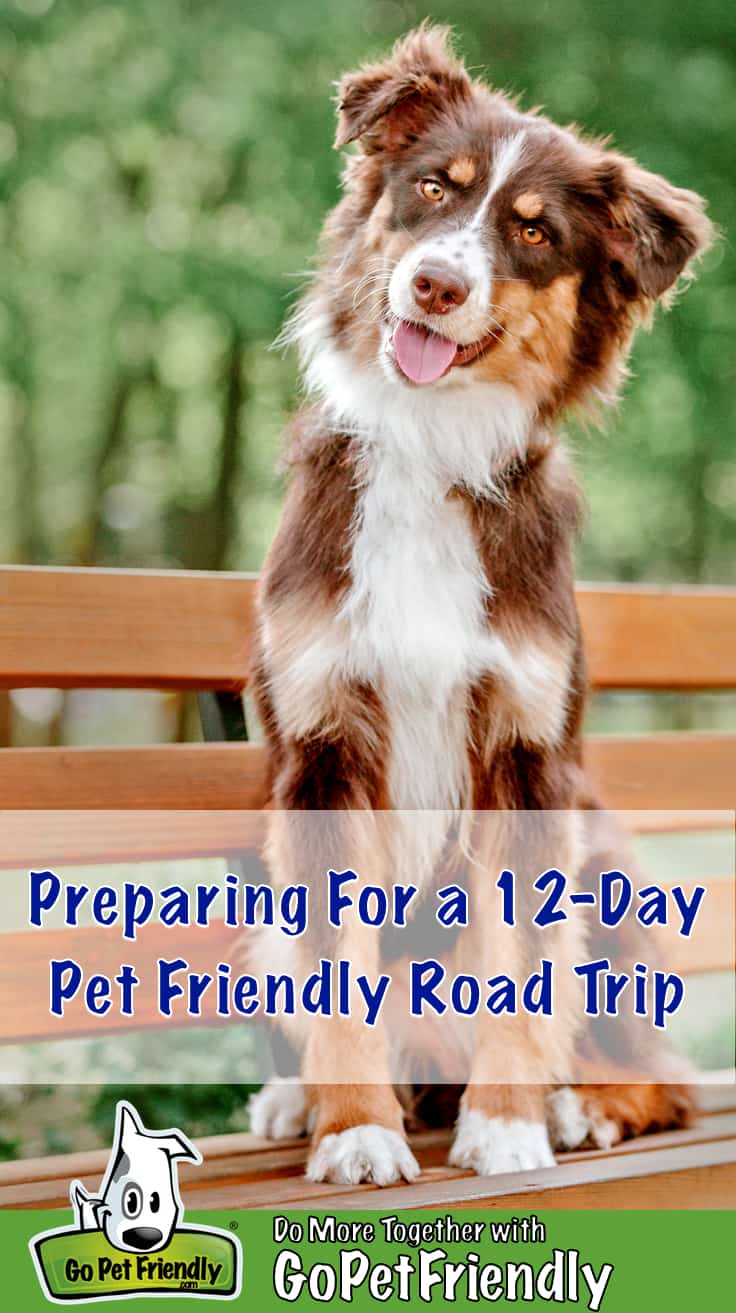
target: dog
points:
(418, 641)
(138, 1206)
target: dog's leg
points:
(356, 1119)
(503, 1127)
(629, 1080)
(359, 1136)
(279, 1111)
(601, 1113)
(358, 1130)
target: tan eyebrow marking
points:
(462, 170)
(529, 205)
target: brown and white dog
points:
(419, 645)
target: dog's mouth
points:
(424, 356)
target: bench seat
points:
(695, 1168)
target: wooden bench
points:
(192, 631)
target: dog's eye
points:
(132, 1200)
(532, 234)
(431, 189)
(155, 1201)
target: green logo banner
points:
(619, 1262)
(76, 1266)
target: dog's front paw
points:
(574, 1121)
(363, 1153)
(491, 1145)
(279, 1110)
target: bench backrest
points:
(147, 629)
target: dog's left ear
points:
(386, 106)
(656, 230)
(177, 1145)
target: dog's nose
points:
(142, 1237)
(438, 289)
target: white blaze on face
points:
(467, 252)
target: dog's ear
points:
(129, 1125)
(654, 230)
(386, 106)
(177, 1145)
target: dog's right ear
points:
(386, 106)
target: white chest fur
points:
(416, 620)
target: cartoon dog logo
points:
(137, 1212)
(138, 1206)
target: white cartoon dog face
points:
(138, 1206)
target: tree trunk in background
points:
(700, 509)
(222, 510)
(112, 438)
(30, 539)
(210, 551)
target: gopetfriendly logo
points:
(128, 1239)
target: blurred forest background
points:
(164, 171)
(165, 166)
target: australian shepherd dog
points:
(419, 648)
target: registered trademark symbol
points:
(234, 1226)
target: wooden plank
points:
(708, 1186)
(264, 1174)
(685, 1172)
(255, 1154)
(275, 1161)
(664, 771)
(50, 838)
(69, 628)
(181, 776)
(711, 946)
(78, 838)
(24, 996)
(147, 628)
(666, 638)
(254, 1190)
(659, 772)
(273, 1174)
(664, 821)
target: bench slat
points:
(176, 776)
(124, 628)
(69, 628)
(79, 838)
(687, 1185)
(710, 1170)
(717, 1102)
(660, 771)
(665, 638)
(24, 999)
(240, 1171)
(664, 771)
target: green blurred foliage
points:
(203, 1109)
(164, 169)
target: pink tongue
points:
(422, 356)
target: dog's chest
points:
(417, 623)
(416, 604)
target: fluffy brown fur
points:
(575, 244)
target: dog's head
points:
(140, 1204)
(480, 242)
